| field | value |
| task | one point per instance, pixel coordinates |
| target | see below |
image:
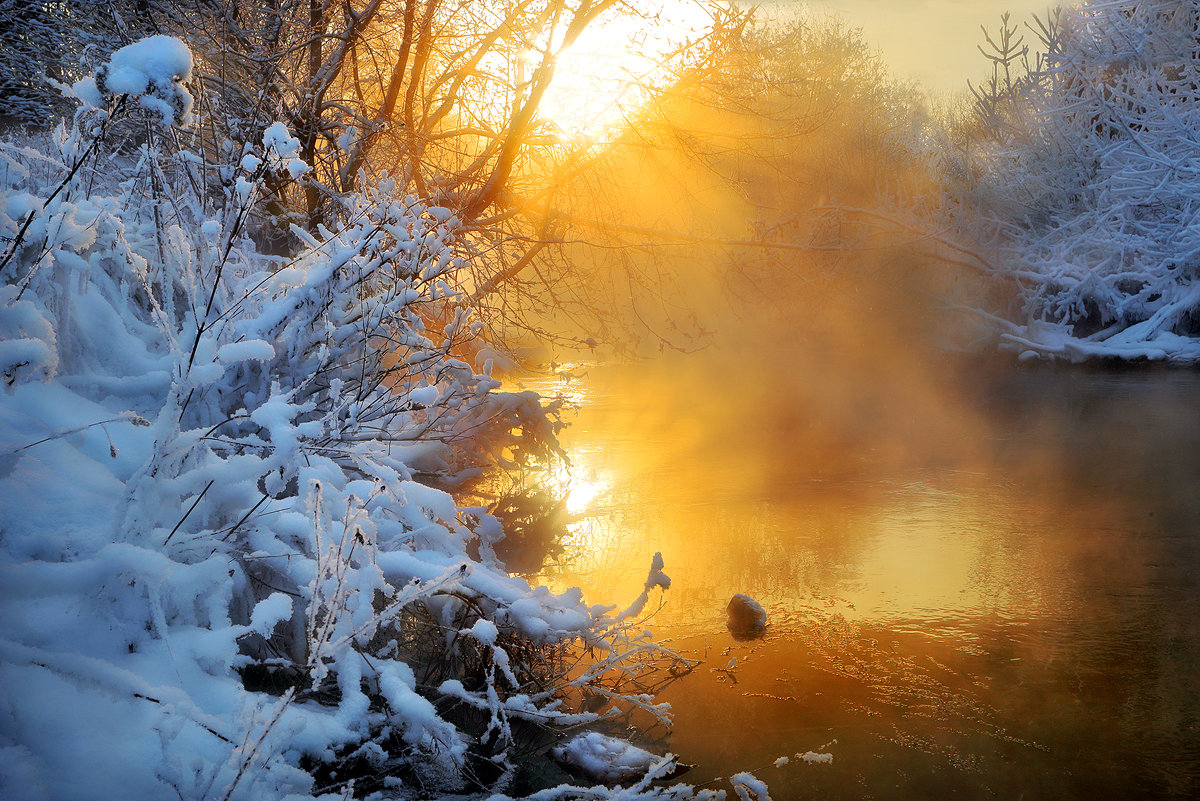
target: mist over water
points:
(980, 578)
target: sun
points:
(616, 64)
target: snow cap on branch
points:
(153, 70)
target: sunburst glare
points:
(618, 62)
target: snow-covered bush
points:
(1080, 181)
(224, 569)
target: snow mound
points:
(604, 759)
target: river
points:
(985, 592)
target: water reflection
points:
(992, 596)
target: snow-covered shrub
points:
(224, 570)
(1079, 177)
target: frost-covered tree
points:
(41, 42)
(1078, 177)
(225, 569)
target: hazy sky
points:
(934, 41)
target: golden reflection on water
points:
(643, 479)
(990, 596)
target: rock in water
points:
(747, 619)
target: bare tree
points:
(442, 98)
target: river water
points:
(984, 591)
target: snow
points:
(485, 631)
(154, 61)
(197, 480)
(87, 91)
(604, 759)
(416, 717)
(657, 578)
(152, 70)
(297, 168)
(277, 137)
(424, 396)
(30, 356)
(246, 350)
(283, 150)
(21, 204)
(244, 189)
(269, 612)
(747, 787)
(347, 138)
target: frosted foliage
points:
(221, 573)
(1085, 185)
(284, 151)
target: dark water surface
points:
(991, 593)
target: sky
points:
(934, 41)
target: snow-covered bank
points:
(1078, 181)
(223, 571)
